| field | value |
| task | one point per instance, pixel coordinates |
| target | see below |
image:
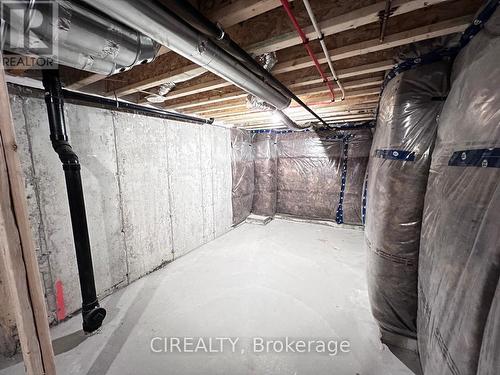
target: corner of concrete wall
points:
(155, 189)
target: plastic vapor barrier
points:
(265, 164)
(309, 174)
(460, 245)
(243, 174)
(313, 174)
(397, 180)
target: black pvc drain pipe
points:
(93, 314)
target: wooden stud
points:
(18, 251)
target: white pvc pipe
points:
(323, 46)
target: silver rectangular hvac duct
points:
(153, 20)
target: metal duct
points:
(79, 34)
(158, 23)
(65, 56)
(290, 124)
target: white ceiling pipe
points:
(323, 46)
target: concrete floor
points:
(286, 279)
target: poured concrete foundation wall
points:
(155, 189)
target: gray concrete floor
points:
(286, 279)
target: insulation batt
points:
(309, 173)
(397, 179)
(459, 314)
(243, 174)
(265, 164)
(300, 173)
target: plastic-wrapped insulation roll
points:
(266, 165)
(489, 360)
(398, 172)
(243, 174)
(358, 152)
(459, 265)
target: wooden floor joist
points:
(18, 251)
(227, 16)
(255, 115)
(447, 27)
(267, 125)
(302, 81)
(344, 22)
(343, 73)
(326, 109)
(242, 109)
(351, 20)
(455, 25)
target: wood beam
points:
(343, 73)
(331, 26)
(227, 16)
(303, 116)
(242, 10)
(349, 94)
(242, 109)
(181, 74)
(209, 100)
(299, 82)
(447, 27)
(268, 125)
(344, 22)
(17, 251)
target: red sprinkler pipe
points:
(305, 43)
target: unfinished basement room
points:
(250, 187)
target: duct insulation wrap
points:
(75, 36)
(397, 180)
(243, 174)
(266, 177)
(459, 265)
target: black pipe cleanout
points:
(93, 315)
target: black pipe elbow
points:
(68, 157)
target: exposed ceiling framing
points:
(351, 32)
